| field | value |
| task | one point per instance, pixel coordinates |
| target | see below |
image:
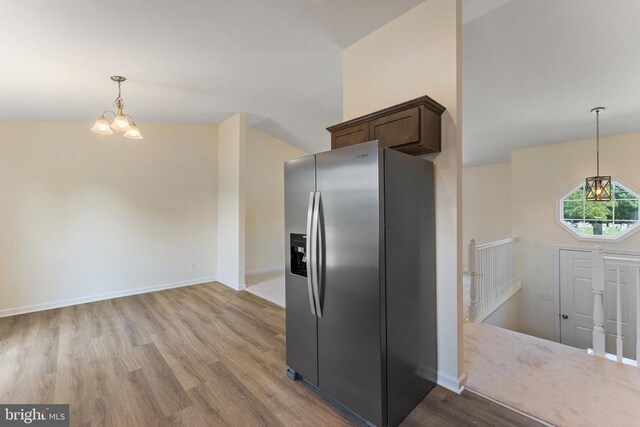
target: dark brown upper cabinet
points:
(412, 127)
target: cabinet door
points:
(397, 129)
(350, 136)
(430, 132)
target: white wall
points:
(486, 217)
(264, 193)
(507, 315)
(416, 54)
(231, 201)
(486, 200)
(83, 214)
(540, 175)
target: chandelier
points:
(120, 123)
(598, 188)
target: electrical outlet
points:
(194, 266)
(547, 296)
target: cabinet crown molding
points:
(425, 101)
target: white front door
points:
(576, 302)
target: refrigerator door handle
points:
(317, 261)
(310, 251)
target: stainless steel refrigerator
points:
(360, 278)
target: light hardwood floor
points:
(192, 356)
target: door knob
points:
(564, 316)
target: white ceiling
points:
(474, 9)
(532, 70)
(280, 61)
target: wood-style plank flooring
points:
(194, 356)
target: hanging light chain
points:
(598, 188)
(598, 142)
(119, 102)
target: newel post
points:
(597, 285)
(473, 286)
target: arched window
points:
(607, 221)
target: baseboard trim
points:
(511, 408)
(100, 297)
(265, 270)
(455, 385)
(240, 287)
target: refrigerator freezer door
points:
(301, 322)
(411, 280)
(349, 332)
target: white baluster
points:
(618, 316)
(486, 277)
(494, 275)
(481, 273)
(519, 255)
(497, 274)
(638, 317)
(597, 286)
(473, 285)
(482, 280)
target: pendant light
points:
(598, 188)
(120, 123)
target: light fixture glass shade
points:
(598, 188)
(101, 126)
(120, 123)
(133, 132)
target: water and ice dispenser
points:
(298, 243)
